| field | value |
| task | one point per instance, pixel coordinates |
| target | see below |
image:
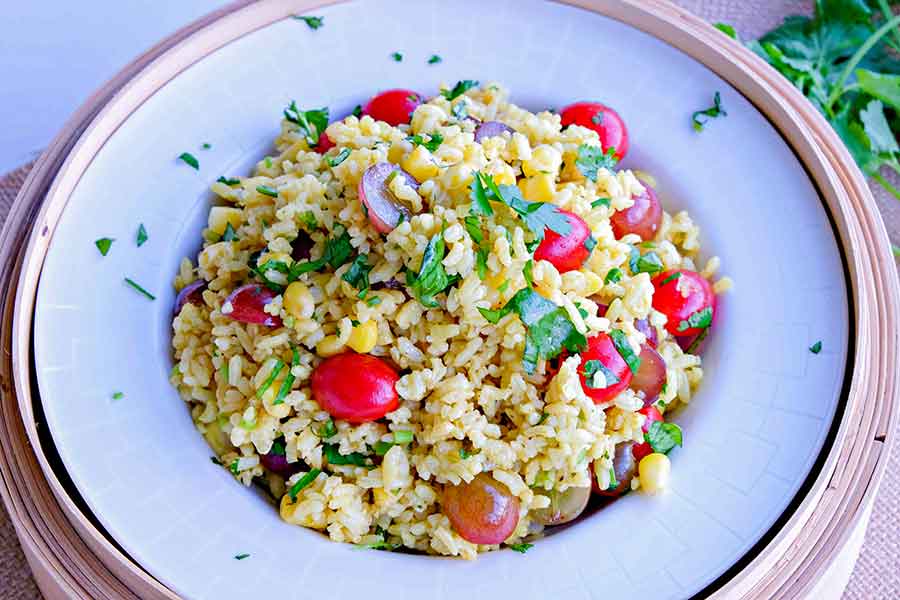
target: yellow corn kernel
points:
(329, 346)
(221, 216)
(539, 188)
(298, 301)
(363, 337)
(654, 471)
(420, 164)
(544, 159)
(396, 152)
(502, 173)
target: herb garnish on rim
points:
(139, 289)
(104, 244)
(313, 22)
(713, 112)
(189, 159)
(142, 236)
(312, 123)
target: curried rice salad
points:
(443, 325)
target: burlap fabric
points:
(877, 574)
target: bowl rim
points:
(817, 523)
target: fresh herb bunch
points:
(845, 60)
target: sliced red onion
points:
(383, 209)
(301, 247)
(491, 129)
(246, 303)
(192, 292)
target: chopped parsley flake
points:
(645, 263)
(434, 59)
(268, 162)
(334, 457)
(118, 395)
(521, 548)
(537, 216)
(302, 483)
(459, 89)
(548, 328)
(373, 301)
(662, 437)
(241, 556)
(357, 111)
(601, 202)
(229, 181)
(593, 368)
(620, 341)
(104, 244)
(313, 22)
(671, 277)
(267, 191)
(613, 276)
(276, 369)
(432, 278)
(397, 57)
(189, 159)
(142, 236)
(139, 289)
(482, 190)
(358, 274)
(312, 123)
(816, 348)
(592, 158)
(698, 320)
(434, 141)
(710, 113)
(460, 110)
(230, 235)
(334, 161)
(726, 29)
(206, 146)
(215, 460)
(308, 218)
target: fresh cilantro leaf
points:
(327, 430)
(481, 257)
(432, 144)
(142, 236)
(645, 263)
(241, 556)
(118, 395)
(592, 158)
(357, 111)
(713, 112)
(308, 218)
(674, 276)
(662, 436)
(266, 190)
(303, 482)
(459, 89)
(206, 146)
(334, 161)
(229, 181)
(548, 328)
(816, 348)
(527, 272)
(334, 457)
(521, 548)
(473, 227)
(189, 159)
(727, 30)
(620, 341)
(397, 57)
(103, 245)
(600, 202)
(373, 301)
(697, 320)
(313, 22)
(613, 276)
(538, 216)
(432, 278)
(312, 123)
(482, 191)
(358, 274)
(435, 59)
(215, 460)
(229, 235)
(593, 368)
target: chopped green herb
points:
(527, 272)
(267, 191)
(816, 348)
(613, 276)
(313, 22)
(189, 159)
(278, 447)
(592, 158)
(215, 460)
(464, 454)
(544, 417)
(206, 146)
(104, 244)
(302, 483)
(118, 395)
(233, 467)
(357, 111)
(268, 162)
(613, 482)
(593, 368)
(548, 328)
(432, 278)
(726, 29)
(276, 369)
(397, 57)
(671, 277)
(334, 161)
(327, 430)
(434, 141)
(309, 220)
(645, 263)
(709, 113)
(473, 228)
(230, 235)
(142, 236)
(662, 436)
(139, 289)
(373, 301)
(700, 319)
(435, 59)
(481, 256)
(521, 548)
(288, 382)
(601, 202)
(503, 286)
(482, 191)
(312, 123)
(337, 252)
(229, 181)
(620, 341)
(459, 89)
(403, 437)
(334, 457)
(241, 556)
(537, 216)
(358, 273)
(460, 110)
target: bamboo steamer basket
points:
(808, 552)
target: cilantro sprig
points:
(312, 123)
(701, 117)
(338, 251)
(592, 158)
(537, 216)
(459, 89)
(432, 142)
(432, 278)
(663, 437)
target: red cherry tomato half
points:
(566, 252)
(482, 511)
(601, 347)
(393, 106)
(641, 450)
(602, 119)
(355, 387)
(246, 303)
(643, 218)
(680, 295)
(325, 144)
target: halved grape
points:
(564, 506)
(192, 292)
(245, 304)
(624, 468)
(382, 208)
(651, 375)
(482, 511)
(642, 218)
(491, 129)
(649, 331)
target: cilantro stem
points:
(854, 61)
(886, 185)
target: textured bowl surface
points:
(752, 433)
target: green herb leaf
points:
(142, 236)
(288, 382)
(482, 191)
(432, 144)
(309, 220)
(601, 202)
(104, 244)
(358, 273)
(481, 257)
(357, 111)
(327, 430)
(118, 395)
(432, 278)
(473, 228)
(313, 22)
(697, 320)
(230, 235)
(373, 301)
(701, 117)
(397, 57)
(270, 379)
(727, 30)
(674, 276)
(303, 482)
(527, 272)
(334, 161)
(267, 191)
(592, 158)
(215, 460)
(435, 59)
(241, 556)
(816, 348)
(312, 123)
(189, 159)
(662, 436)
(334, 457)
(594, 367)
(883, 86)
(620, 341)
(537, 216)
(613, 276)
(521, 548)
(459, 111)
(647, 263)
(229, 181)
(139, 289)
(459, 89)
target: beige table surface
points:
(877, 574)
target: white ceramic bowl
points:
(752, 434)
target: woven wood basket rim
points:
(796, 554)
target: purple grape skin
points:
(491, 129)
(192, 293)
